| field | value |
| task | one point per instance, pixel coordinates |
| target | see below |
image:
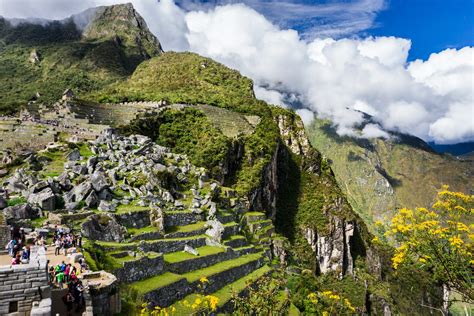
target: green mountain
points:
(208, 139)
(39, 61)
(379, 176)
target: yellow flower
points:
(203, 280)
(422, 260)
(313, 297)
(455, 241)
(327, 293)
(213, 301)
(325, 313)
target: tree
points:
(439, 241)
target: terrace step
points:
(183, 262)
(165, 289)
(182, 218)
(265, 232)
(236, 241)
(258, 225)
(186, 230)
(224, 294)
(254, 217)
(230, 229)
(225, 218)
(159, 245)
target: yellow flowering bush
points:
(438, 240)
(328, 303)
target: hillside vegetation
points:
(378, 176)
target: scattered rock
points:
(190, 250)
(105, 206)
(74, 155)
(45, 199)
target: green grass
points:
(138, 231)
(131, 208)
(221, 266)
(156, 282)
(85, 150)
(179, 256)
(56, 164)
(185, 228)
(224, 294)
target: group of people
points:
(74, 296)
(65, 240)
(17, 247)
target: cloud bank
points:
(333, 78)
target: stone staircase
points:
(163, 274)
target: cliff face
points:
(336, 241)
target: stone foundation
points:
(21, 285)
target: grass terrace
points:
(180, 256)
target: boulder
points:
(79, 192)
(92, 200)
(20, 211)
(45, 199)
(190, 250)
(103, 227)
(99, 181)
(157, 218)
(214, 231)
(74, 155)
(105, 206)
(105, 195)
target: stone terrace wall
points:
(21, 285)
(140, 269)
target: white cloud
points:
(336, 79)
(270, 96)
(306, 115)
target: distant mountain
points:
(379, 176)
(454, 149)
(84, 52)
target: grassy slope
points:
(415, 174)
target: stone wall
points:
(137, 219)
(182, 218)
(21, 285)
(104, 293)
(140, 269)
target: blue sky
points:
(432, 25)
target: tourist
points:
(60, 279)
(51, 274)
(25, 255)
(10, 246)
(57, 245)
(67, 272)
(68, 299)
(16, 260)
(78, 292)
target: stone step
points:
(224, 294)
(165, 289)
(258, 225)
(265, 232)
(132, 269)
(145, 235)
(182, 262)
(230, 229)
(186, 230)
(182, 218)
(225, 218)
(159, 245)
(254, 217)
(236, 241)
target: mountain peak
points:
(125, 25)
